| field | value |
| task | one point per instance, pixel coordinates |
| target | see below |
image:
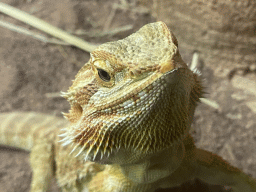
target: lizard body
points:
(132, 106)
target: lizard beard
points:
(156, 121)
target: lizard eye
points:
(104, 75)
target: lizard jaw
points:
(101, 133)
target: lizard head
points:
(135, 94)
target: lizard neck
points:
(153, 167)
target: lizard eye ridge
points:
(104, 75)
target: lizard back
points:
(20, 129)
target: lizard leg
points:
(42, 165)
(214, 170)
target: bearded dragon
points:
(132, 106)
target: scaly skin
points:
(131, 110)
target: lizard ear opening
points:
(75, 113)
